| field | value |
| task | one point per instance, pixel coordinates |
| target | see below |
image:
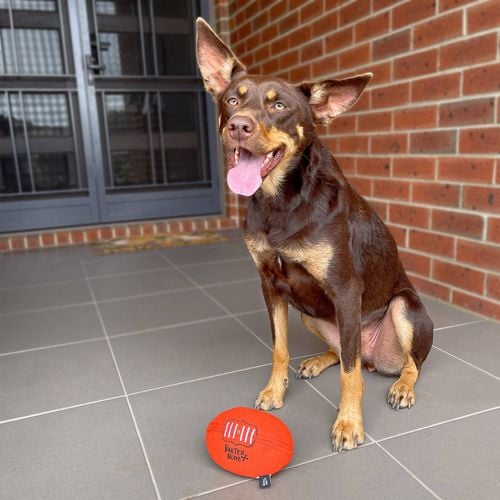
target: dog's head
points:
(265, 122)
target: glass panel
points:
(8, 176)
(121, 53)
(47, 115)
(180, 111)
(43, 5)
(38, 52)
(55, 171)
(183, 165)
(175, 54)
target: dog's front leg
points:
(271, 397)
(347, 431)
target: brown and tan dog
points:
(317, 244)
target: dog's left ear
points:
(216, 61)
(330, 98)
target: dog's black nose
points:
(240, 127)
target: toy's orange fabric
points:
(249, 442)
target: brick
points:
(300, 74)
(33, 242)
(299, 36)
(389, 144)
(382, 4)
(494, 229)
(339, 39)
(431, 288)
(452, 4)
(347, 164)
(414, 167)
(414, 118)
(480, 140)
(374, 26)
(373, 166)
(325, 67)
(361, 185)
(433, 142)
(326, 24)
(486, 199)
(469, 112)
(391, 45)
(412, 11)
(311, 11)
(476, 304)
(479, 254)
(436, 244)
(4, 244)
(17, 243)
(260, 21)
(380, 208)
(120, 232)
(392, 95)
(466, 169)
(77, 237)
(354, 11)
(393, 190)
(374, 121)
(270, 32)
(353, 144)
(412, 65)
(438, 87)
(493, 286)
(457, 223)
(436, 194)
(483, 16)
(382, 72)
(62, 238)
(363, 103)
(344, 124)
(412, 262)
(439, 29)
(289, 22)
(311, 51)
(289, 59)
(482, 79)
(92, 235)
(399, 235)
(468, 52)
(409, 215)
(48, 239)
(459, 276)
(356, 56)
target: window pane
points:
(175, 54)
(43, 5)
(183, 165)
(47, 115)
(179, 111)
(121, 53)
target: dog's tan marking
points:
(315, 258)
(300, 131)
(348, 431)
(259, 249)
(242, 90)
(273, 394)
(402, 393)
(271, 94)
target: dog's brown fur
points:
(317, 244)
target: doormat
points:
(156, 241)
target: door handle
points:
(91, 67)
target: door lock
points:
(91, 67)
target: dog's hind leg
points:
(312, 367)
(414, 330)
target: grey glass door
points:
(102, 113)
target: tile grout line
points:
(129, 334)
(467, 363)
(131, 411)
(460, 324)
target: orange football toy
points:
(249, 443)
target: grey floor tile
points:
(38, 329)
(444, 314)
(173, 423)
(354, 475)
(197, 254)
(220, 272)
(478, 344)
(186, 353)
(42, 380)
(300, 341)
(43, 256)
(239, 297)
(87, 452)
(447, 388)
(128, 285)
(15, 273)
(457, 460)
(123, 263)
(41, 297)
(142, 313)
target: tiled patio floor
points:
(112, 366)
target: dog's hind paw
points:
(401, 395)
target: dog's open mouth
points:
(247, 170)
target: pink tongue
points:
(245, 178)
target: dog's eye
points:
(279, 106)
(232, 101)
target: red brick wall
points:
(422, 142)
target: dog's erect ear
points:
(330, 98)
(216, 61)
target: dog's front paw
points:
(271, 398)
(401, 395)
(347, 434)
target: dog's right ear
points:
(216, 61)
